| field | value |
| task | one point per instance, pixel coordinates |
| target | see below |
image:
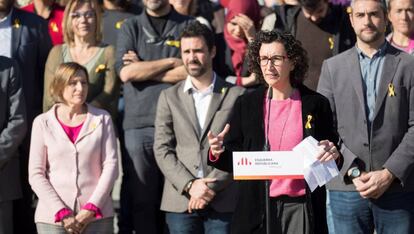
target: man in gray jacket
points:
(371, 91)
(197, 198)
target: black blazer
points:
(247, 134)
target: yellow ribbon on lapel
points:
(308, 122)
(100, 68)
(92, 126)
(173, 43)
(16, 23)
(331, 43)
(223, 90)
(119, 24)
(54, 27)
(391, 90)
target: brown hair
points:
(67, 20)
(63, 73)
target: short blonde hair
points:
(63, 73)
(67, 20)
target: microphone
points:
(266, 147)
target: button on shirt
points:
(371, 71)
(202, 101)
(6, 35)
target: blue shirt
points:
(371, 71)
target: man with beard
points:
(197, 198)
(147, 62)
(25, 38)
(370, 88)
(323, 28)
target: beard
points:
(6, 5)
(201, 70)
(372, 37)
(155, 6)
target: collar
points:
(6, 21)
(188, 85)
(380, 52)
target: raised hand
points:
(216, 142)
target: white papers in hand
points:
(315, 173)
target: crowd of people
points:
(168, 90)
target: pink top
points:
(285, 132)
(72, 132)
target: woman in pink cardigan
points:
(73, 159)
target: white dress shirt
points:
(202, 99)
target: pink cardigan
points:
(65, 174)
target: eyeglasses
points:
(276, 60)
(86, 14)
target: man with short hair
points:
(197, 198)
(13, 128)
(147, 62)
(371, 91)
(323, 28)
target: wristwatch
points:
(188, 186)
(353, 173)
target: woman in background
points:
(401, 16)
(241, 22)
(73, 159)
(82, 33)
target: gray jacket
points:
(390, 143)
(180, 145)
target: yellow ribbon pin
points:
(119, 24)
(391, 90)
(54, 27)
(173, 43)
(93, 126)
(331, 43)
(349, 10)
(100, 68)
(16, 23)
(308, 122)
(223, 90)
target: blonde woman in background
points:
(82, 34)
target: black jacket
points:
(247, 134)
(336, 22)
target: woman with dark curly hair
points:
(285, 112)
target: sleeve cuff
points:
(61, 214)
(91, 207)
(211, 157)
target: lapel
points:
(189, 107)
(388, 71)
(92, 122)
(148, 29)
(219, 92)
(17, 27)
(169, 26)
(353, 70)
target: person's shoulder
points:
(98, 112)
(27, 18)
(312, 96)
(343, 56)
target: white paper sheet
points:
(315, 172)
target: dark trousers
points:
(6, 217)
(205, 221)
(142, 183)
